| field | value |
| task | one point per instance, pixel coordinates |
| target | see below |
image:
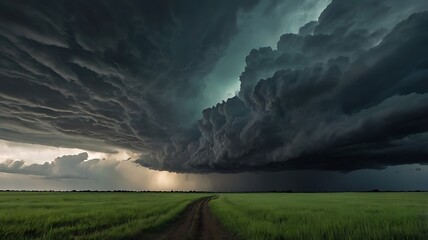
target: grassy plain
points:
(65, 216)
(324, 215)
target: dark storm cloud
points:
(348, 92)
(97, 74)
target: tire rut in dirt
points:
(195, 223)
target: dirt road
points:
(196, 223)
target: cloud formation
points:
(100, 74)
(76, 172)
(67, 166)
(346, 92)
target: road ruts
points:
(195, 223)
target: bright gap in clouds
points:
(34, 153)
(261, 27)
(111, 173)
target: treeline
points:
(107, 191)
(177, 191)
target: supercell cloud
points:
(100, 73)
(347, 91)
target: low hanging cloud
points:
(67, 166)
(346, 92)
(78, 172)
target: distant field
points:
(324, 215)
(86, 215)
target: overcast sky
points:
(214, 95)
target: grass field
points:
(86, 215)
(324, 215)
(65, 216)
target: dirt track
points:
(196, 223)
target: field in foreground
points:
(249, 216)
(324, 215)
(46, 215)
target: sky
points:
(245, 95)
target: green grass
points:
(251, 216)
(324, 215)
(86, 215)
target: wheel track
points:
(195, 223)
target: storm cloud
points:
(99, 74)
(345, 92)
(79, 172)
(348, 92)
